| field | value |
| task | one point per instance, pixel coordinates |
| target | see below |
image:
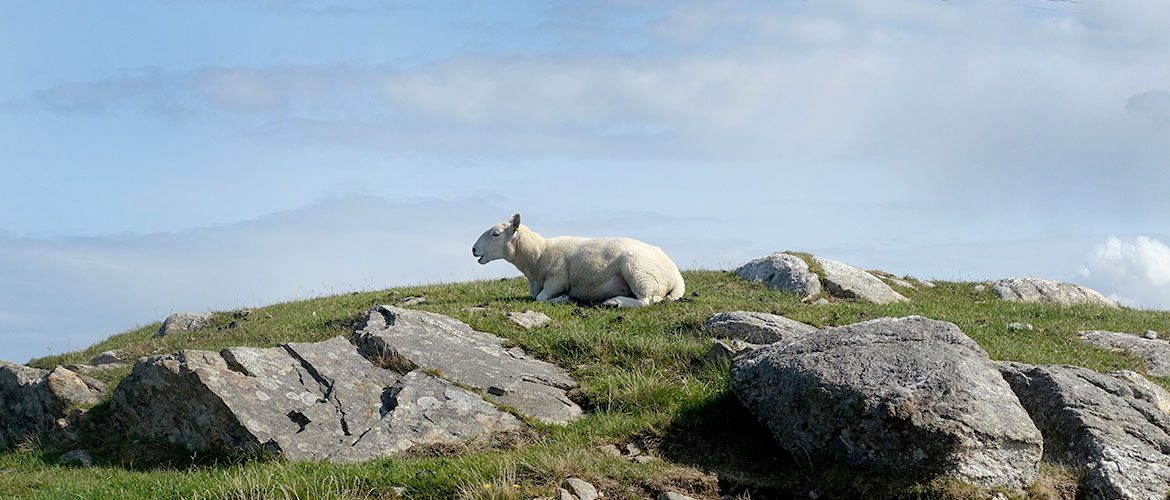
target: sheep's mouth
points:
(481, 258)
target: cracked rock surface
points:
(1155, 351)
(304, 401)
(912, 395)
(1045, 291)
(756, 327)
(848, 282)
(784, 272)
(1114, 427)
(38, 403)
(393, 336)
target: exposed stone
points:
(1016, 326)
(911, 394)
(1114, 428)
(1150, 334)
(822, 302)
(404, 337)
(673, 495)
(37, 403)
(185, 322)
(784, 272)
(848, 282)
(756, 327)
(312, 401)
(412, 301)
(1155, 352)
(980, 288)
(529, 319)
(1045, 291)
(927, 284)
(106, 358)
(77, 457)
(580, 489)
(723, 351)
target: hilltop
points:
(644, 381)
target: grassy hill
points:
(643, 378)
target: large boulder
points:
(1115, 428)
(1156, 352)
(848, 282)
(184, 322)
(756, 327)
(312, 401)
(394, 336)
(1045, 291)
(911, 395)
(784, 272)
(37, 403)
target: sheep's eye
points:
(495, 233)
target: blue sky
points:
(158, 156)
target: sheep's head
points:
(497, 242)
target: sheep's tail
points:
(680, 287)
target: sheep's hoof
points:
(614, 302)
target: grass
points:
(643, 380)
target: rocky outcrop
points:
(408, 338)
(184, 322)
(848, 282)
(1155, 352)
(723, 351)
(106, 358)
(529, 319)
(1044, 291)
(1115, 428)
(756, 327)
(911, 395)
(311, 401)
(791, 273)
(784, 272)
(40, 403)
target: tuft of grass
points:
(642, 376)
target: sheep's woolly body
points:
(616, 271)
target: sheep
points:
(617, 272)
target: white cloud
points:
(1135, 271)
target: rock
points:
(610, 449)
(900, 282)
(1113, 428)
(404, 337)
(39, 403)
(1016, 326)
(927, 284)
(1156, 353)
(784, 272)
(822, 302)
(1044, 291)
(580, 489)
(412, 301)
(564, 494)
(756, 327)
(671, 495)
(529, 319)
(106, 358)
(723, 351)
(1150, 334)
(980, 288)
(848, 282)
(185, 322)
(399, 490)
(77, 457)
(90, 369)
(312, 401)
(911, 395)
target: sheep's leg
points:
(626, 302)
(552, 292)
(559, 299)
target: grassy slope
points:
(640, 370)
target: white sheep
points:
(618, 272)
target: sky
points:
(159, 156)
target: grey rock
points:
(564, 494)
(1113, 428)
(822, 302)
(1045, 291)
(37, 403)
(77, 457)
(1016, 326)
(412, 301)
(402, 337)
(529, 319)
(673, 495)
(783, 272)
(312, 401)
(980, 288)
(756, 327)
(927, 284)
(848, 282)
(184, 322)
(1155, 352)
(723, 351)
(580, 489)
(1150, 334)
(106, 358)
(910, 394)
(90, 369)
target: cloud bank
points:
(1136, 272)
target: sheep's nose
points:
(474, 250)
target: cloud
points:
(1136, 271)
(1152, 104)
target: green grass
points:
(642, 379)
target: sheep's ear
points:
(516, 221)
